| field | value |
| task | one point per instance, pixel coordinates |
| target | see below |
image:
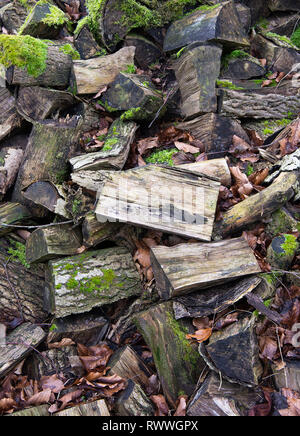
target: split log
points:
(87, 328)
(260, 103)
(283, 5)
(56, 74)
(12, 214)
(79, 283)
(37, 103)
(125, 197)
(290, 162)
(288, 377)
(50, 145)
(134, 402)
(213, 300)
(10, 161)
(197, 70)
(246, 67)
(13, 16)
(187, 267)
(233, 352)
(48, 243)
(21, 292)
(132, 93)
(146, 52)
(19, 343)
(215, 132)
(115, 150)
(94, 74)
(283, 24)
(9, 118)
(220, 23)
(94, 232)
(281, 251)
(85, 44)
(215, 398)
(177, 362)
(49, 362)
(244, 13)
(256, 207)
(126, 363)
(95, 408)
(37, 25)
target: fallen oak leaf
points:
(45, 396)
(162, 408)
(187, 148)
(200, 335)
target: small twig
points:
(35, 227)
(163, 105)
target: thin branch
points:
(35, 227)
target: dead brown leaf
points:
(162, 408)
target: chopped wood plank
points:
(95, 408)
(171, 200)
(19, 343)
(187, 267)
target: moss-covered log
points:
(49, 243)
(78, 284)
(178, 363)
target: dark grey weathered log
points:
(134, 402)
(146, 52)
(85, 44)
(94, 232)
(246, 67)
(13, 15)
(9, 118)
(14, 214)
(185, 268)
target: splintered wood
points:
(188, 267)
(172, 200)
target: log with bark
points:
(134, 402)
(94, 74)
(85, 44)
(52, 242)
(94, 232)
(9, 117)
(10, 161)
(146, 52)
(178, 363)
(12, 214)
(126, 197)
(80, 283)
(19, 344)
(13, 15)
(188, 267)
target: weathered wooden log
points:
(135, 95)
(94, 74)
(244, 13)
(176, 360)
(219, 23)
(9, 118)
(115, 150)
(282, 24)
(85, 44)
(48, 243)
(282, 251)
(94, 232)
(87, 328)
(10, 161)
(280, 55)
(13, 15)
(126, 363)
(242, 67)
(233, 352)
(283, 5)
(214, 398)
(289, 376)
(290, 162)
(50, 145)
(186, 267)
(260, 103)
(146, 52)
(197, 70)
(134, 402)
(259, 205)
(21, 292)
(56, 74)
(125, 197)
(95, 408)
(215, 132)
(78, 284)
(54, 361)
(12, 214)
(33, 411)
(19, 343)
(41, 23)
(213, 300)
(37, 103)
(282, 221)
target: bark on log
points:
(213, 300)
(13, 16)
(9, 118)
(56, 75)
(10, 161)
(79, 283)
(52, 242)
(146, 52)
(95, 408)
(21, 292)
(258, 206)
(94, 232)
(177, 362)
(188, 267)
(94, 74)
(85, 44)
(19, 344)
(37, 103)
(114, 152)
(14, 214)
(134, 402)
(191, 216)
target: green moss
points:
(295, 38)
(61, 176)
(262, 23)
(107, 106)
(80, 25)
(279, 38)
(162, 156)
(101, 52)
(131, 69)
(69, 50)
(24, 52)
(55, 18)
(109, 143)
(99, 284)
(235, 54)
(72, 283)
(76, 206)
(249, 170)
(228, 84)
(131, 114)
(18, 253)
(268, 131)
(290, 246)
